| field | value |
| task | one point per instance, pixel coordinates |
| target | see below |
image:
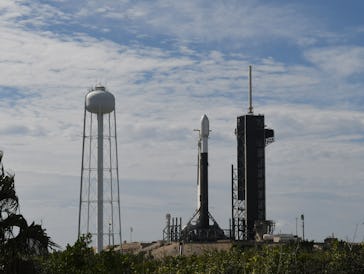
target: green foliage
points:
(8, 198)
(290, 258)
(80, 258)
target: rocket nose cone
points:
(205, 127)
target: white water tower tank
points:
(100, 101)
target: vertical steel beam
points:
(100, 183)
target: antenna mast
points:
(250, 91)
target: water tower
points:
(99, 207)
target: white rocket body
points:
(202, 187)
(202, 147)
(199, 228)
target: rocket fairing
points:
(203, 173)
(205, 131)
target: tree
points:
(19, 242)
(8, 204)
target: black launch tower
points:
(248, 180)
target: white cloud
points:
(233, 24)
(30, 14)
(202, 21)
(338, 62)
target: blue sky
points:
(168, 63)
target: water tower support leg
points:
(100, 177)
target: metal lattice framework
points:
(172, 230)
(237, 209)
(87, 221)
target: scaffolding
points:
(238, 231)
(172, 230)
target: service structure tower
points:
(248, 179)
(99, 207)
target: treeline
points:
(338, 257)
